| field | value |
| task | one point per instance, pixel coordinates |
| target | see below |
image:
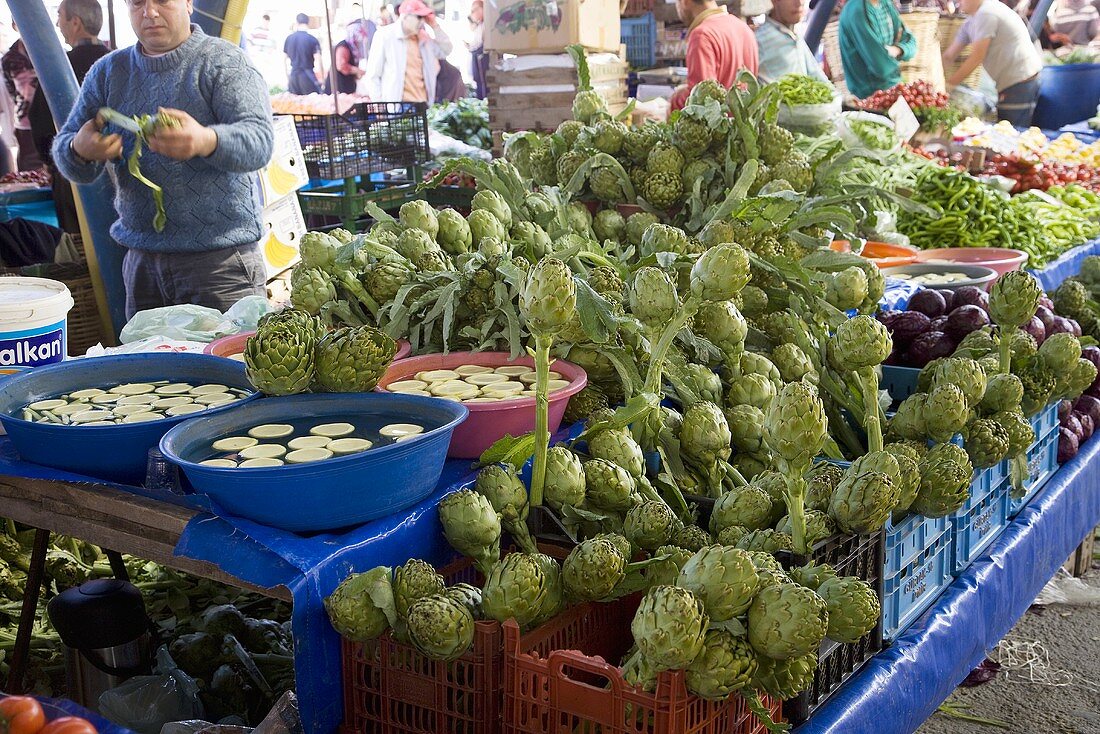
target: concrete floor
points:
(1022, 695)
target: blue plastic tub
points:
(1067, 94)
(113, 453)
(324, 495)
(918, 583)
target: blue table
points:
(905, 684)
(1068, 264)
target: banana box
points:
(286, 173)
(284, 226)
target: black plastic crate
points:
(850, 555)
(371, 137)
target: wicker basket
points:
(85, 329)
(948, 28)
(926, 65)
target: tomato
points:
(21, 715)
(69, 725)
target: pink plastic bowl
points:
(999, 259)
(233, 344)
(489, 422)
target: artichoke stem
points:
(543, 342)
(1019, 472)
(1006, 352)
(796, 508)
(664, 343)
(734, 474)
(869, 380)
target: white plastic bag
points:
(146, 703)
(195, 323)
(810, 119)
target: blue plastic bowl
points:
(323, 495)
(114, 453)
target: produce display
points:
(286, 103)
(946, 277)
(289, 444)
(132, 402)
(466, 120)
(799, 89)
(471, 383)
(933, 109)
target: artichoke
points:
(691, 136)
(570, 130)
(358, 607)
(670, 627)
(795, 427)
(723, 578)
(731, 535)
(665, 572)
(767, 540)
(608, 283)
(310, 289)
(1020, 432)
(280, 360)
(746, 424)
(792, 362)
(663, 190)
(862, 341)
(664, 159)
(692, 538)
(653, 297)
(907, 478)
(472, 527)
(908, 421)
(639, 141)
(1002, 392)
(812, 575)
(1071, 298)
(775, 142)
(1060, 352)
(748, 507)
(554, 600)
(353, 359)
(440, 627)
(649, 525)
(945, 476)
(720, 323)
(725, 664)
(565, 478)
(853, 607)
(318, 250)
(986, 442)
(492, 202)
(819, 526)
(454, 234)
(384, 279)
(705, 435)
(720, 273)
(468, 596)
(592, 570)
(483, 225)
(945, 412)
(662, 238)
(751, 389)
(568, 164)
(419, 214)
(847, 289)
(636, 226)
(787, 621)
(785, 679)
(863, 502)
(608, 224)
(608, 486)
(415, 580)
(821, 482)
(414, 243)
(1014, 298)
(620, 448)
(966, 374)
(549, 299)
(517, 588)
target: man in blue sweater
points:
(207, 253)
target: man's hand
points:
(184, 141)
(92, 145)
(894, 51)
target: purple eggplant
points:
(908, 326)
(1087, 426)
(1045, 302)
(1068, 445)
(929, 302)
(1061, 325)
(1089, 406)
(948, 299)
(1065, 407)
(964, 320)
(928, 346)
(1036, 329)
(1072, 424)
(1046, 316)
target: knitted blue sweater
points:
(209, 202)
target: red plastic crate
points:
(565, 691)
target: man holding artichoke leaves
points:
(187, 213)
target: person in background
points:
(719, 46)
(345, 60)
(22, 83)
(873, 43)
(303, 53)
(1077, 19)
(1000, 41)
(479, 60)
(782, 50)
(260, 37)
(207, 251)
(403, 64)
(80, 22)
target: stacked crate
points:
(515, 105)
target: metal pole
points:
(111, 24)
(820, 12)
(1038, 17)
(58, 82)
(332, 59)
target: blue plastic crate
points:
(910, 591)
(909, 539)
(1046, 420)
(1042, 462)
(980, 520)
(900, 382)
(639, 35)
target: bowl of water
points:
(310, 463)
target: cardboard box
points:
(284, 226)
(548, 26)
(286, 173)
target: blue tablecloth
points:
(903, 685)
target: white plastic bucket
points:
(33, 322)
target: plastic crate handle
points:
(584, 699)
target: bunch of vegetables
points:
(799, 89)
(142, 127)
(1031, 174)
(466, 120)
(919, 94)
(1076, 298)
(24, 715)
